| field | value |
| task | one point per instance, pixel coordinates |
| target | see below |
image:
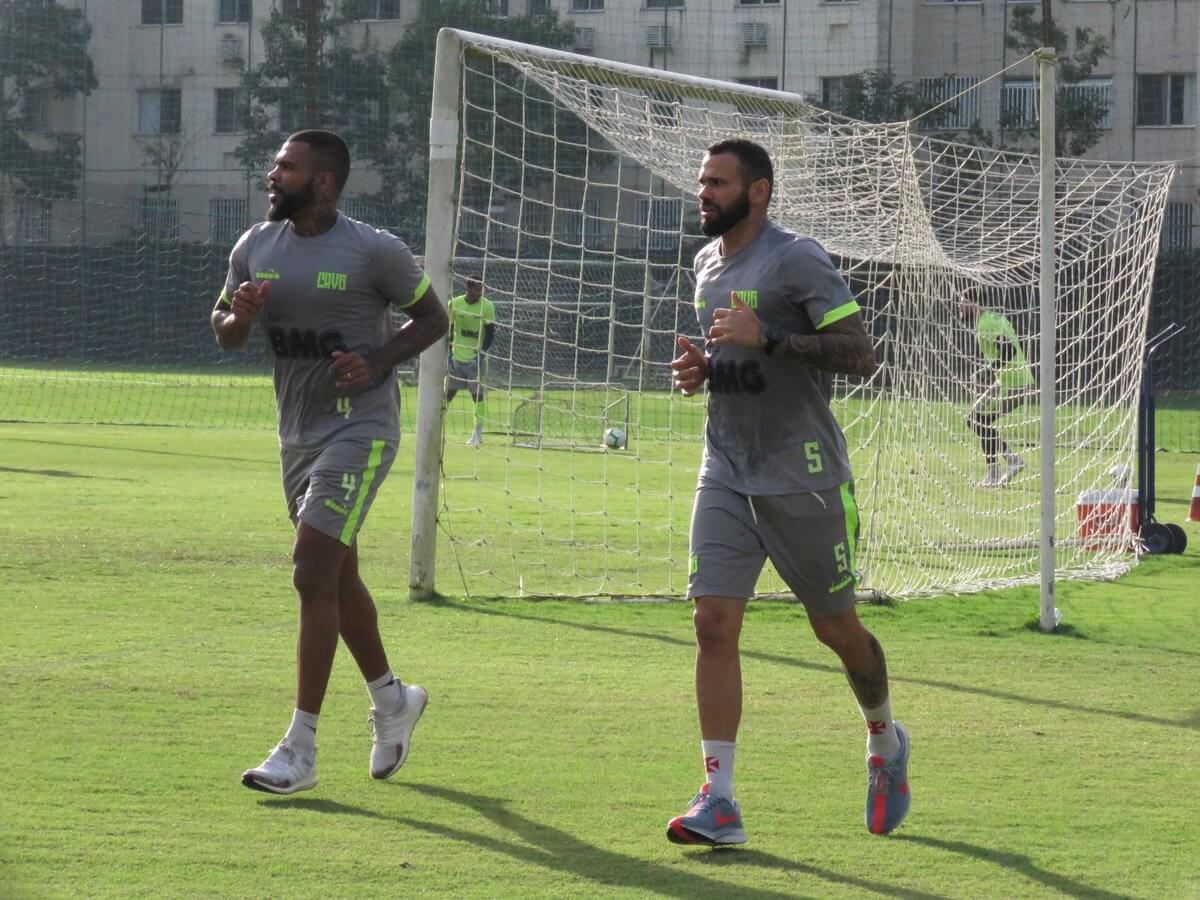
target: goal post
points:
(566, 183)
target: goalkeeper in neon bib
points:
(1012, 386)
(321, 287)
(472, 330)
(775, 480)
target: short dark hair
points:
(474, 282)
(753, 160)
(331, 148)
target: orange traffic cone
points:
(1194, 511)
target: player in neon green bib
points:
(1012, 386)
(472, 330)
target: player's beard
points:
(727, 218)
(290, 204)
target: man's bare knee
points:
(716, 627)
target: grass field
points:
(531, 520)
(146, 658)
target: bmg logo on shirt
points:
(293, 343)
(732, 377)
(332, 281)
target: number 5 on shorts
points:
(843, 558)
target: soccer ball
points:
(614, 438)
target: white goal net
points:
(575, 207)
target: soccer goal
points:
(577, 176)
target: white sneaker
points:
(392, 732)
(286, 769)
(992, 479)
(1015, 465)
(475, 440)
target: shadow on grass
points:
(312, 804)
(536, 844)
(1190, 722)
(53, 473)
(268, 459)
(1015, 862)
(758, 859)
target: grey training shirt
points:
(328, 292)
(769, 428)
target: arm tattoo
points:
(832, 351)
(871, 686)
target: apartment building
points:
(162, 128)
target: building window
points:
(1019, 100)
(162, 12)
(373, 9)
(1165, 99)
(1019, 103)
(156, 218)
(35, 109)
(761, 81)
(662, 111)
(1097, 90)
(1178, 227)
(664, 4)
(663, 217)
(230, 12)
(538, 7)
(227, 219)
(232, 111)
(291, 113)
(158, 112)
(835, 91)
(584, 226)
(587, 5)
(35, 219)
(758, 2)
(952, 2)
(751, 116)
(962, 113)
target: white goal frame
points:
(445, 141)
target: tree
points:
(43, 54)
(311, 77)
(875, 96)
(166, 153)
(1079, 113)
(410, 74)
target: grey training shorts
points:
(331, 488)
(810, 538)
(463, 375)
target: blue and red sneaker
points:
(709, 820)
(888, 796)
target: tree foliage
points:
(410, 73)
(351, 93)
(876, 96)
(43, 53)
(1079, 114)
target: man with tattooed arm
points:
(775, 480)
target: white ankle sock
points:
(303, 730)
(881, 732)
(386, 692)
(718, 767)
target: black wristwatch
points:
(768, 338)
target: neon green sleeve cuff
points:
(838, 313)
(422, 287)
(224, 297)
